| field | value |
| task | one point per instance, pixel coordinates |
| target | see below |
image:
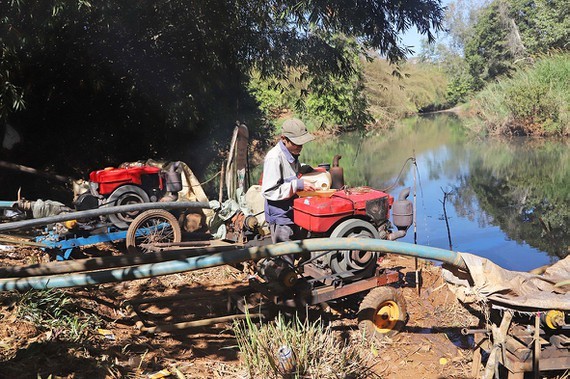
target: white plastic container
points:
(319, 179)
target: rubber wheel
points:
(152, 226)
(126, 195)
(382, 313)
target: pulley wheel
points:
(126, 195)
(382, 313)
(345, 260)
(152, 226)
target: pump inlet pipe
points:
(228, 257)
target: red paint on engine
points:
(111, 178)
(319, 214)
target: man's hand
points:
(308, 186)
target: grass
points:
(54, 312)
(316, 352)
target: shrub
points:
(458, 89)
(339, 102)
(535, 101)
(397, 94)
(268, 93)
(532, 105)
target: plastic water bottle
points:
(286, 360)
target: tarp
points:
(46, 208)
(488, 281)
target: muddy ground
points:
(430, 345)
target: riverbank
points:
(535, 101)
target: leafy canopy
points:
(79, 76)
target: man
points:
(281, 180)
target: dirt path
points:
(430, 345)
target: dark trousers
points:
(284, 233)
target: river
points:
(506, 200)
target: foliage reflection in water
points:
(509, 199)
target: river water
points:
(506, 200)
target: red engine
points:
(320, 214)
(355, 213)
(131, 185)
(110, 179)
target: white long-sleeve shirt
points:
(279, 185)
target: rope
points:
(209, 180)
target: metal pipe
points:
(101, 212)
(198, 323)
(102, 263)
(396, 234)
(228, 257)
(467, 331)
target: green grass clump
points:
(316, 351)
(53, 311)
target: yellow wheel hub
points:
(386, 317)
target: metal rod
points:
(30, 170)
(415, 210)
(162, 299)
(12, 241)
(536, 360)
(197, 323)
(222, 179)
(229, 257)
(181, 244)
(101, 212)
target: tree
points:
(510, 32)
(170, 75)
(460, 19)
(486, 52)
(544, 24)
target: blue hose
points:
(229, 257)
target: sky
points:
(413, 38)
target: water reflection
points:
(509, 199)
